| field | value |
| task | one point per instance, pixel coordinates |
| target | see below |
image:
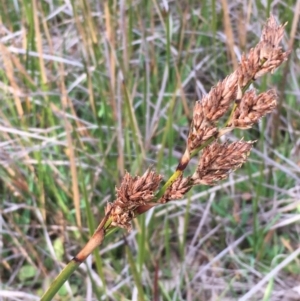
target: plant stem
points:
(95, 241)
(63, 276)
(170, 181)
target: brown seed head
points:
(271, 35)
(119, 216)
(201, 128)
(218, 160)
(217, 101)
(252, 107)
(177, 190)
(132, 193)
(263, 58)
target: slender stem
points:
(170, 181)
(181, 166)
(197, 150)
(63, 276)
(95, 241)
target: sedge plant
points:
(230, 97)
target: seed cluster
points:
(138, 194)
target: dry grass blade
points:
(294, 255)
(229, 32)
(9, 69)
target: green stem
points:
(63, 276)
(170, 181)
(178, 172)
(135, 274)
(104, 229)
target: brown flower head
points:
(271, 37)
(218, 160)
(217, 101)
(134, 192)
(201, 129)
(177, 190)
(272, 33)
(265, 56)
(252, 107)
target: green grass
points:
(91, 90)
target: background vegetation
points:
(90, 89)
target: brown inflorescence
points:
(263, 58)
(252, 107)
(177, 190)
(201, 128)
(132, 193)
(136, 194)
(218, 160)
